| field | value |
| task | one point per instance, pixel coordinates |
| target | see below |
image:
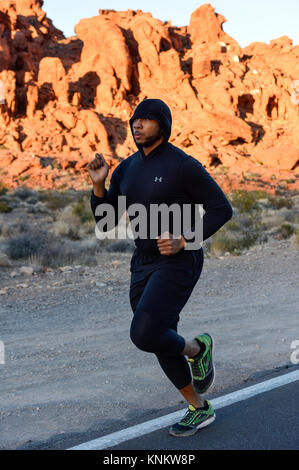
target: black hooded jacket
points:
(166, 175)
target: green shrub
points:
(3, 189)
(245, 201)
(23, 178)
(233, 225)
(4, 207)
(239, 234)
(49, 249)
(225, 242)
(65, 229)
(24, 245)
(234, 241)
(82, 210)
(55, 200)
(23, 192)
(19, 226)
(286, 230)
(260, 194)
(279, 202)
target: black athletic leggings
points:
(158, 292)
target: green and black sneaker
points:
(194, 419)
(203, 371)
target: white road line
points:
(149, 426)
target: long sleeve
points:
(110, 197)
(203, 189)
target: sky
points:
(247, 21)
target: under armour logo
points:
(158, 178)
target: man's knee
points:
(143, 335)
(141, 340)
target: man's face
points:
(146, 131)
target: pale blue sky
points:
(247, 21)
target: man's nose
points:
(137, 123)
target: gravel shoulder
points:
(71, 372)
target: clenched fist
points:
(98, 169)
(170, 245)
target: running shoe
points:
(203, 371)
(194, 419)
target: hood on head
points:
(153, 109)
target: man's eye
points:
(140, 119)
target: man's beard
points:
(152, 140)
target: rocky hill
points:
(234, 109)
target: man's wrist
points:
(99, 189)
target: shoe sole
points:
(213, 346)
(194, 431)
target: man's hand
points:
(170, 245)
(98, 170)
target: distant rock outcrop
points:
(234, 109)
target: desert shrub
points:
(55, 200)
(25, 245)
(4, 207)
(233, 225)
(286, 230)
(82, 209)
(244, 201)
(238, 233)
(124, 246)
(278, 202)
(3, 189)
(49, 249)
(67, 230)
(230, 242)
(17, 227)
(69, 224)
(24, 193)
(247, 201)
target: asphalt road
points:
(269, 421)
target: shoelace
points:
(198, 367)
(189, 413)
(186, 417)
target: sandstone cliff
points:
(234, 109)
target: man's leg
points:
(191, 349)
(172, 364)
(156, 302)
(191, 396)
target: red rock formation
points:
(236, 110)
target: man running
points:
(163, 271)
